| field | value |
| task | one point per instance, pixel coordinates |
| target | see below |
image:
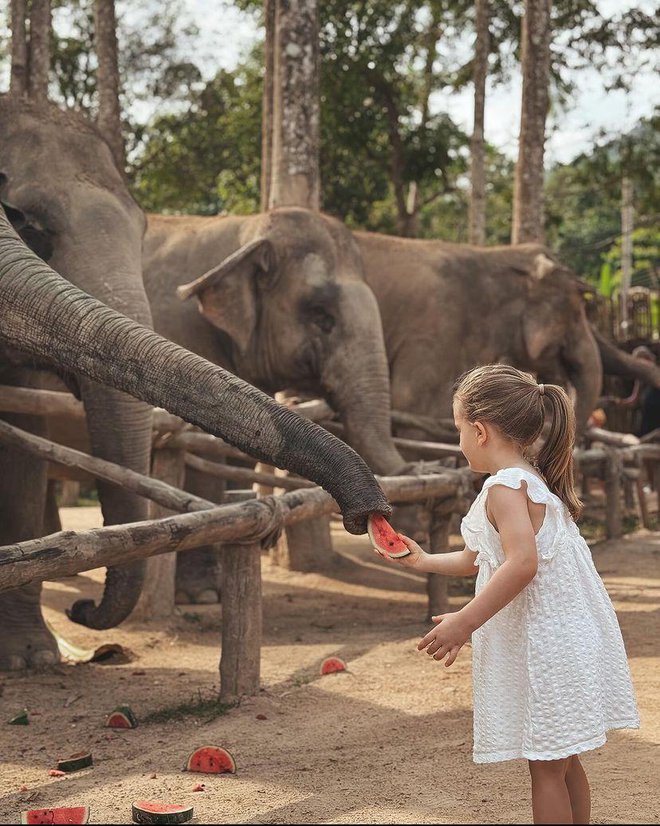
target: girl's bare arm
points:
(509, 509)
(457, 563)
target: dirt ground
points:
(388, 742)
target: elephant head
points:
(287, 293)
(68, 201)
(556, 340)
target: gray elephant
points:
(62, 191)
(279, 299)
(45, 320)
(448, 307)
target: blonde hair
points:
(512, 401)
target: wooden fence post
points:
(613, 473)
(240, 659)
(436, 585)
(157, 598)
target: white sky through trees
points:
(226, 35)
(571, 128)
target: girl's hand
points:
(412, 560)
(447, 638)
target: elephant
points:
(280, 300)
(46, 320)
(70, 204)
(447, 307)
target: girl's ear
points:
(482, 434)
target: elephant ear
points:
(31, 233)
(227, 294)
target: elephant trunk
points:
(364, 401)
(619, 363)
(120, 426)
(44, 315)
(583, 365)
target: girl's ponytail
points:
(555, 459)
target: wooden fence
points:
(245, 525)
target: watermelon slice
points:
(20, 719)
(74, 814)
(210, 760)
(385, 538)
(121, 717)
(147, 812)
(332, 665)
(75, 762)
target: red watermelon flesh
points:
(331, 665)
(385, 538)
(75, 814)
(144, 811)
(211, 760)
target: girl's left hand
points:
(447, 638)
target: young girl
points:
(549, 666)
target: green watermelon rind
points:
(25, 816)
(127, 713)
(232, 770)
(21, 719)
(75, 762)
(371, 530)
(144, 815)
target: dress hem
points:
(560, 754)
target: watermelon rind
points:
(122, 717)
(332, 665)
(373, 536)
(66, 814)
(146, 812)
(226, 762)
(20, 719)
(75, 762)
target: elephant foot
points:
(200, 595)
(28, 650)
(25, 641)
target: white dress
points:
(550, 671)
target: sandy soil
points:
(388, 742)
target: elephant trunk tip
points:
(82, 612)
(356, 522)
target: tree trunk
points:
(107, 78)
(18, 77)
(267, 103)
(39, 60)
(295, 159)
(477, 218)
(528, 185)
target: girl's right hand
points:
(412, 560)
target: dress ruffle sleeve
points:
(481, 536)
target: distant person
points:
(550, 674)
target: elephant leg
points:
(198, 572)
(25, 640)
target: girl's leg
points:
(578, 791)
(551, 802)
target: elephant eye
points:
(322, 319)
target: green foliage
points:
(645, 255)
(206, 158)
(583, 203)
